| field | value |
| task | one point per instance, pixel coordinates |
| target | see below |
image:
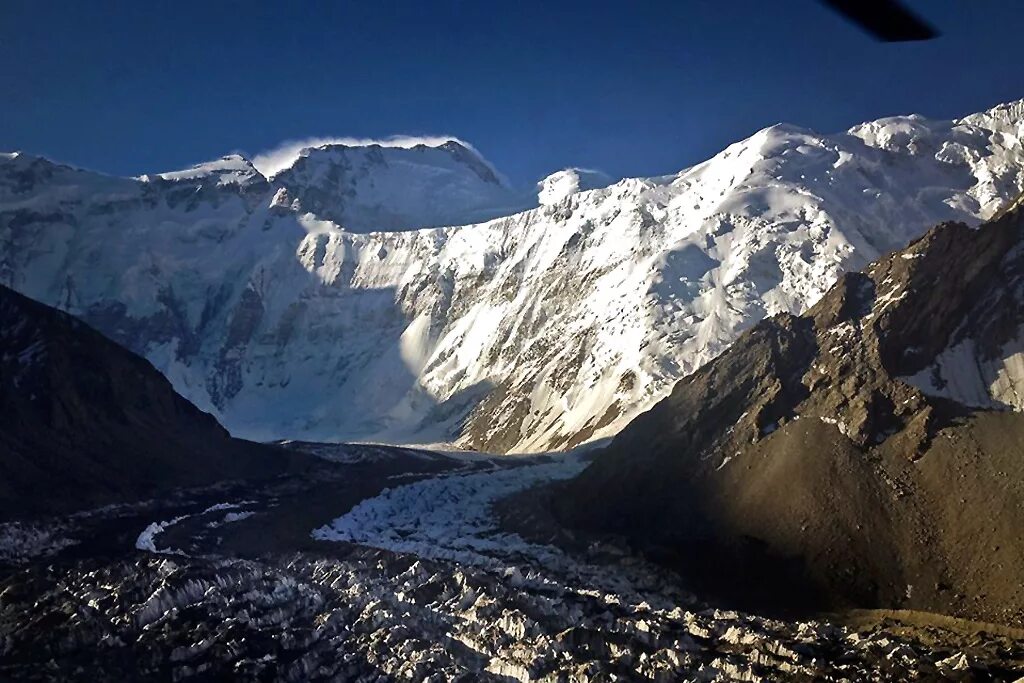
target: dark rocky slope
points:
(803, 469)
(86, 422)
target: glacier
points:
(409, 295)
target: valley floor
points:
(393, 565)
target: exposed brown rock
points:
(798, 469)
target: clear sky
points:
(631, 88)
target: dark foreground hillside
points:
(86, 422)
(865, 454)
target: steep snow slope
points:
(532, 331)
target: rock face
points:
(269, 304)
(864, 453)
(86, 422)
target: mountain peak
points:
(1007, 117)
(373, 185)
(398, 148)
(561, 184)
(232, 169)
(279, 159)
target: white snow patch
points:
(237, 516)
(963, 373)
(147, 539)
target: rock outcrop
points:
(811, 463)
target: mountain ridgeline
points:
(86, 422)
(867, 453)
(326, 303)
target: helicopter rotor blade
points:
(887, 20)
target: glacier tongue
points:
(269, 304)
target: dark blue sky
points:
(632, 88)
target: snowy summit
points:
(320, 304)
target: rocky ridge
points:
(814, 445)
(86, 422)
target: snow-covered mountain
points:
(561, 184)
(272, 303)
(373, 187)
